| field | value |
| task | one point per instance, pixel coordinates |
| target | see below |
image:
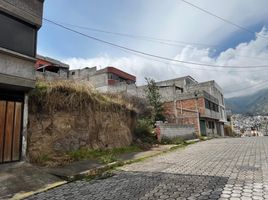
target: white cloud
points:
(244, 54)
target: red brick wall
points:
(184, 117)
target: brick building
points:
(19, 22)
(188, 102)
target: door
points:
(10, 130)
(203, 127)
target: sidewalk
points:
(19, 180)
(85, 168)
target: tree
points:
(154, 98)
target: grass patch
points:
(179, 146)
(202, 138)
(42, 159)
(104, 156)
(174, 140)
(109, 170)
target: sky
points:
(199, 37)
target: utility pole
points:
(197, 113)
(266, 131)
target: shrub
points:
(154, 98)
(144, 131)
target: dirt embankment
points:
(66, 116)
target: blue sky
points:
(169, 19)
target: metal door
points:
(203, 127)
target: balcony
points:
(211, 114)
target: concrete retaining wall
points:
(174, 130)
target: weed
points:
(72, 96)
(173, 140)
(104, 156)
(43, 158)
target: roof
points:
(118, 72)
(211, 83)
(52, 62)
(177, 79)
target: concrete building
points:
(193, 103)
(186, 101)
(19, 22)
(51, 69)
(109, 79)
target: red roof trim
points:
(120, 73)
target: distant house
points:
(50, 69)
(186, 101)
(104, 80)
(19, 22)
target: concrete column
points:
(222, 130)
(198, 123)
(175, 111)
(24, 127)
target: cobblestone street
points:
(215, 169)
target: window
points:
(17, 36)
(217, 108)
(206, 103)
(211, 106)
(211, 125)
(112, 76)
(73, 73)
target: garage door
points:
(10, 130)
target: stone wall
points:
(174, 130)
(62, 132)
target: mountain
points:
(256, 104)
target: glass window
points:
(206, 103)
(17, 36)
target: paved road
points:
(216, 169)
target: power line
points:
(147, 38)
(158, 39)
(196, 68)
(225, 20)
(246, 88)
(148, 54)
(153, 39)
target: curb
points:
(99, 170)
(23, 195)
(91, 173)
